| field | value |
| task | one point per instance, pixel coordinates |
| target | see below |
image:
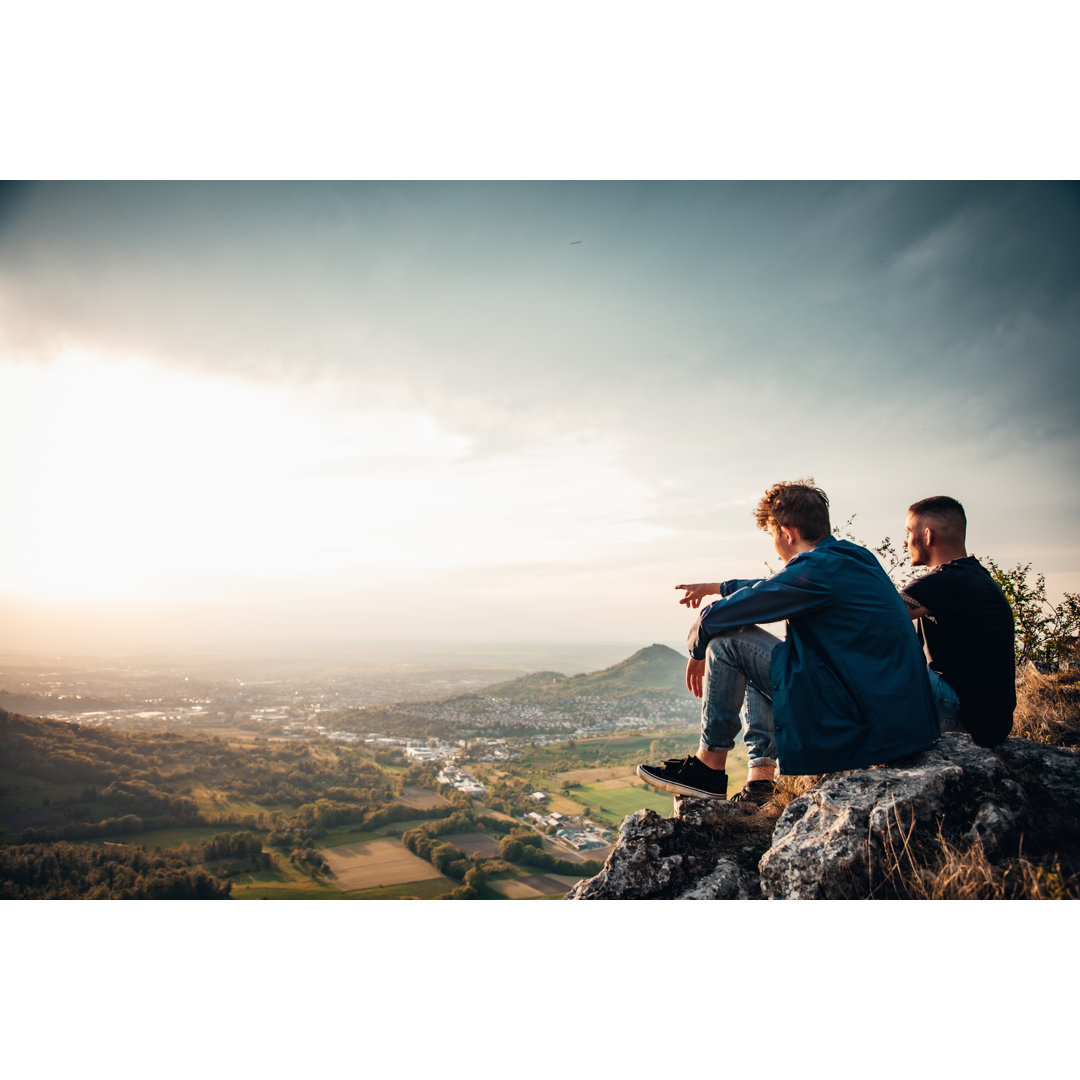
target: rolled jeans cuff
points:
(755, 762)
(752, 762)
(717, 749)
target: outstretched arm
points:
(794, 591)
(696, 593)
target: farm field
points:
(611, 793)
(374, 863)
(421, 798)
(164, 838)
(534, 887)
(612, 800)
(282, 882)
(476, 843)
(302, 887)
(355, 834)
(591, 776)
(211, 801)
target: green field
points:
(345, 835)
(183, 834)
(211, 801)
(611, 805)
(288, 883)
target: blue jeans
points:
(737, 675)
(948, 704)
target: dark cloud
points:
(470, 295)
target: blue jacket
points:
(849, 684)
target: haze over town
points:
(242, 416)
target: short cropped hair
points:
(944, 511)
(795, 505)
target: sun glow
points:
(130, 481)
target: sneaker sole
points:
(676, 788)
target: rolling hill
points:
(654, 668)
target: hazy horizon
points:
(567, 657)
(255, 413)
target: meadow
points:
(611, 792)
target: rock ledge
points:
(843, 837)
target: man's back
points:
(967, 637)
(854, 678)
(849, 683)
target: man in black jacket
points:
(964, 622)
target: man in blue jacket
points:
(845, 689)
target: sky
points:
(247, 413)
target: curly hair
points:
(795, 504)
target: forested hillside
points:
(63, 783)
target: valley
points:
(288, 788)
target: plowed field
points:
(535, 886)
(374, 863)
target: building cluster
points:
(585, 837)
(493, 750)
(420, 751)
(433, 752)
(584, 717)
(581, 836)
(460, 779)
(426, 754)
(126, 695)
(295, 706)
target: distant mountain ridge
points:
(654, 668)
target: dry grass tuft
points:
(1048, 707)
(789, 788)
(944, 871)
(1047, 711)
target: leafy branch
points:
(1045, 632)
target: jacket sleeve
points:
(735, 584)
(796, 590)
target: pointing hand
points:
(696, 593)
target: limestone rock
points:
(842, 838)
(664, 858)
(726, 882)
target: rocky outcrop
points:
(845, 836)
(698, 854)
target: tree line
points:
(64, 871)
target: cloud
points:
(470, 295)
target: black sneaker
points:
(686, 776)
(757, 792)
